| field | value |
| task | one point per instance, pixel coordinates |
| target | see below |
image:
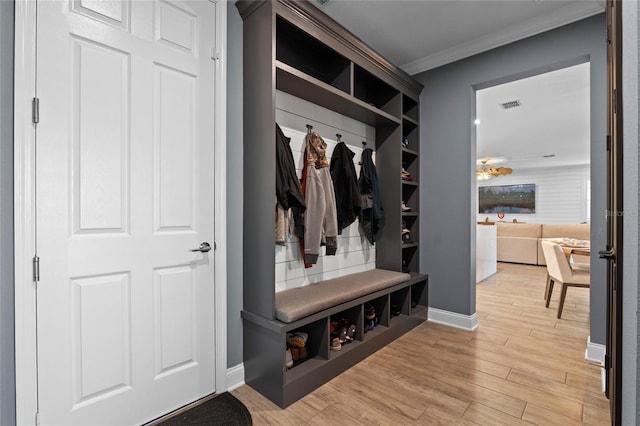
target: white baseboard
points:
(454, 319)
(595, 352)
(235, 377)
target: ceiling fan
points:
(485, 172)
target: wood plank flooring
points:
(521, 366)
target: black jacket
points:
(372, 213)
(345, 184)
(288, 190)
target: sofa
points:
(521, 242)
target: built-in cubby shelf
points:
(291, 46)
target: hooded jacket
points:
(345, 184)
(372, 213)
(288, 191)
(320, 221)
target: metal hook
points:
(338, 137)
(309, 127)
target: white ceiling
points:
(424, 34)
(552, 120)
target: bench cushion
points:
(300, 302)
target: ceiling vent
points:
(510, 104)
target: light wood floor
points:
(521, 366)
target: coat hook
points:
(364, 144)
(309, 127)
(338, 137)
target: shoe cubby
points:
(419, 299)
(375, 92)
(301, 51)
(410, 257)
(399, 304)
(315, 345)
(381, 308)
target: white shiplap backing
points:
(355, 253)
(561, 194)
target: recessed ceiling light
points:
(476, 121)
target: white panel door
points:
(125, 189)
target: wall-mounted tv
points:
(517, 199)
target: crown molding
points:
(563, 16)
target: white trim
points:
(454, 319)
(564, 16)
(595, 352)
(235, 377)
(24, 212)
(220, 190)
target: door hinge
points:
(35, 110)
(36, 269)
(608, 143)
(37, 418)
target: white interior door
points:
(125, 189)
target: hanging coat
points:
(288, 191)
(320, 221)
(372, 213)
(345, 184)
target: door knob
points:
(204, 247)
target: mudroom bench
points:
(400, 302)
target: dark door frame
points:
(613, 251)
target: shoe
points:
(351, 333)
(302, 353)
(288, 359)
(406, 175)
(369, 311)
(405, 208)
(297, 339)
(295, 353)
(395, 310)
(335, 344)
(405, 142)
(371, 324)
(406, 236)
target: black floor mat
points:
(224, 409)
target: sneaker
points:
(335, 344)
(405, 208)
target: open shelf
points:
(410, 108)
(375, 92)
(301, 51)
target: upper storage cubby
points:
(375, 92)
(299, 50)
(410, 108)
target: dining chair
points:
(561, 272)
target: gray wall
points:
(234, 186)
(7, 365)
(631, 220)
(448, 152)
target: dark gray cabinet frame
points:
(379, 94)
